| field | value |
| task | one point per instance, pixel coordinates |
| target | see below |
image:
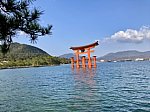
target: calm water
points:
(112, 87)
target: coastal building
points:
(139, 59)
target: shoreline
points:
(17, 67)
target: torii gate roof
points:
(84, 47)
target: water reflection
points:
(85, 89)
(85, 76)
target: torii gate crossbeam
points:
(84, 50)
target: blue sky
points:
(118, 25)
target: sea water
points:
(111, 87)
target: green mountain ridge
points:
(18, 50)
(23, 48)
(21, 55)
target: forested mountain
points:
(21, 55)
(22, 51)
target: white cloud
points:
(131, 36)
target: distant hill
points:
(67, 56)
(131, 54)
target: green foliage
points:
(21, 55)
(15, 16)
(33, 61)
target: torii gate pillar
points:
(84, 50)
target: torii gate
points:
(84, 50)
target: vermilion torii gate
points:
(84, 50)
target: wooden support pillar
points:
(84, 50)
(89, 58)
(94, 58)
(72, 62)
(77, 58)
(83, 62)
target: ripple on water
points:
(111, 87)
